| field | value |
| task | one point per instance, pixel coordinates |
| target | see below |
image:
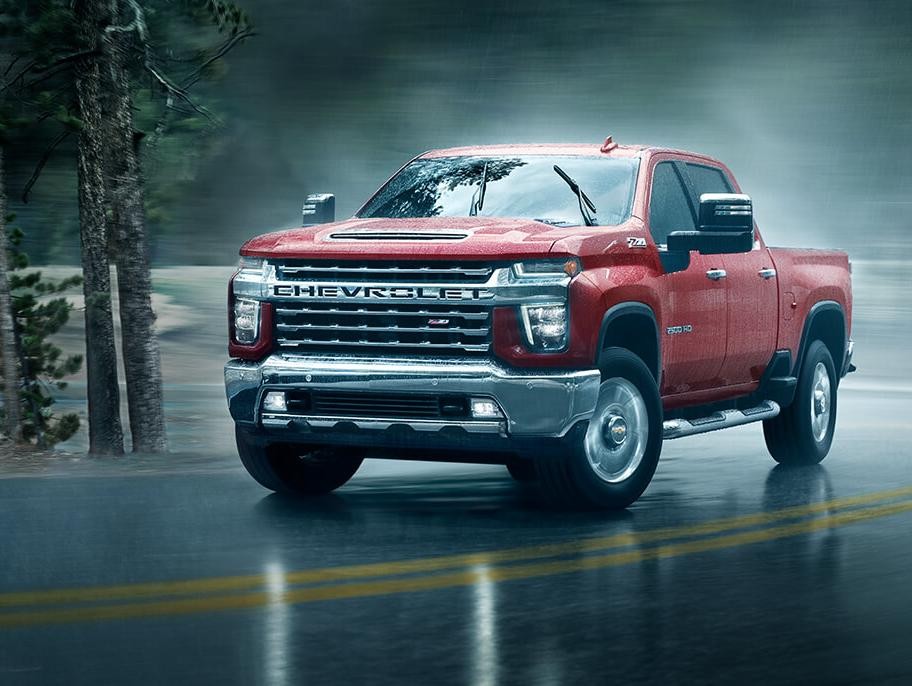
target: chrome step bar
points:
(678, 428)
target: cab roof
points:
(537, 149)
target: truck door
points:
(693, 327)
(752, 294)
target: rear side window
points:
(707, 179)
(669, 209)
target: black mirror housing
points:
(726, 226)
(319, 208)
(726, 212)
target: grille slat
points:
(395, 345)
(393, 270)
(392, 312)
(387, 329)
(386, 272)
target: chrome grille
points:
(385, 272)
(442, 329)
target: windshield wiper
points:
(587, 207)
(479, 194)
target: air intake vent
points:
(397, 236)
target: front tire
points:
(297, 469)
(803, 431)
(615, 460)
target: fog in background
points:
(808, 103)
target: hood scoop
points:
(398, 236)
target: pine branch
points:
(13, 63)
(173, 91)
(42, 163)
(219, 53)
(48, 71)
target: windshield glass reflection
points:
(524, 187)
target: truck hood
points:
(443, 237)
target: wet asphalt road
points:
(728, 569)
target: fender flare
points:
(637, 309)
(816, 310)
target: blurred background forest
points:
(809, 103)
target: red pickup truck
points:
(559, 309)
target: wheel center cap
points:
(820, 402)
(615, 430)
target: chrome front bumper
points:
(534, 403)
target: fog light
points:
(275, 402)
(485, 408)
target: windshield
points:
(526, 187)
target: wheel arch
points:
(826, 322)
(634, 327)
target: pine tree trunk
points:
(142, 359)
(8, 348)
(105, 430)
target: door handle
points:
(716, 274)
(767, 273)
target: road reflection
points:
(432, 516)
(277, 634)
(485, 645)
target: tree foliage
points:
(173, 50)
(39, 313)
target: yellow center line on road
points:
(466, 577)
(435, 564)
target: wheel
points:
(522, 471)
(803, 431)
(615, 459)
(297, 469)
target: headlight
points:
(246, 321)
(545, 327)
(250, 263)
(536, 269)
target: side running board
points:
(678, 428)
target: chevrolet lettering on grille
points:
(380, 292)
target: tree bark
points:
(105, 430)
(142, 359)
(8, 347)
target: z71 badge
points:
(636, 242)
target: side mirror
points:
(319, 208)
(726, 226)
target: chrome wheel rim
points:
(618, 431)
(821, 402)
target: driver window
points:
(669, 209)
